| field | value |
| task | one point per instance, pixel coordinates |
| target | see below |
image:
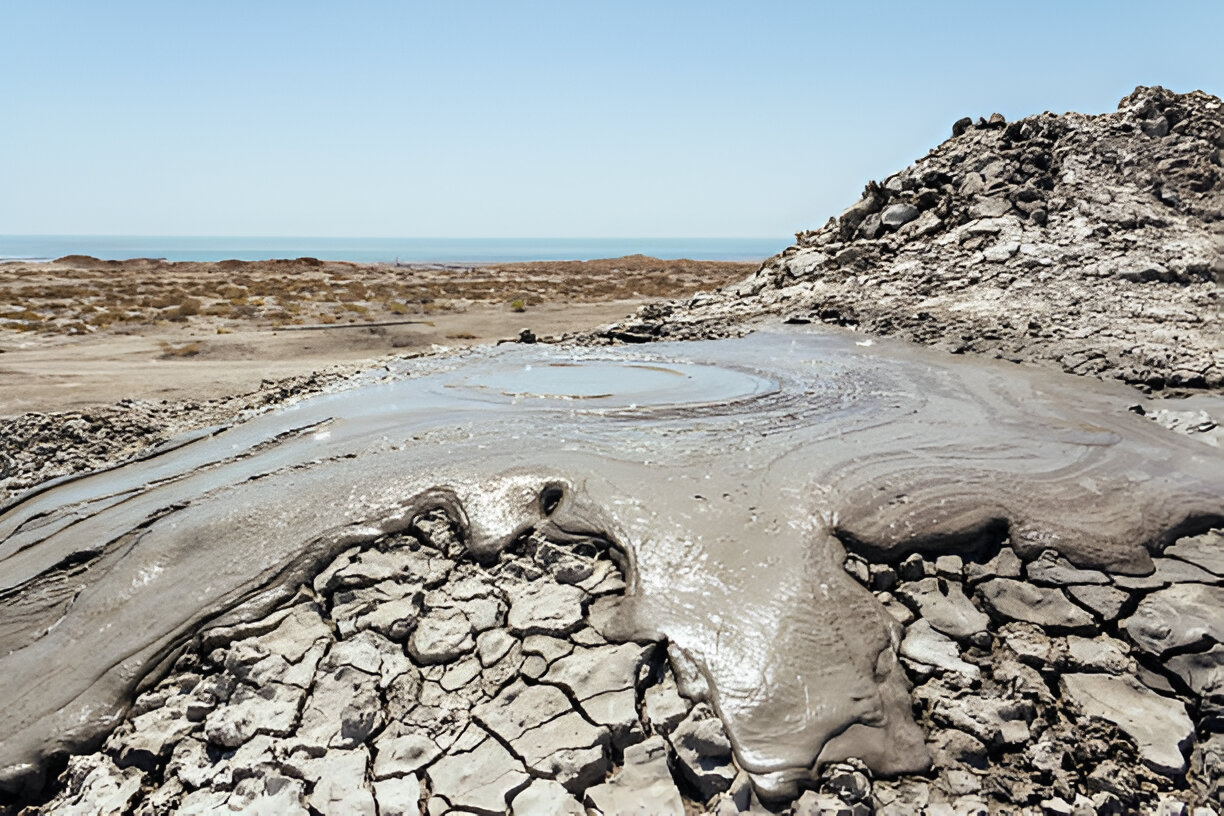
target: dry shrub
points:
(170, 351)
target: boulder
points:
(898, 215)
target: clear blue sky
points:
(574, 119)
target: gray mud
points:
(728, 474)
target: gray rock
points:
(914, 568)
(520, 708)
(1205, 551)
(1201, 671)
(440, 636)
(300, 629)
(460, 673)
(922, 644)
(1159, 726)
(704, 752)
(642, 786)
(1102, 653)
(1177, 617)
(898, 215)
(858, 568)
(549, 648)
(664, 707)
(883, 578)
(343, 710)
(1004, 564)
(812, 803)
(846, 780)
(403, 755)
(950, 747)
(482, 780)
(550, 737)
(951, 567)
(943, 605)
(1052, 569)
(1105, 601)
(1039, 605)
(153, 735)
(989, 207)
(1030, 643)
(271, 709)
(603, 680)
(398, 796)
(340, 787)
(95, 785)
(1168, 571)
(872, 227)
(899, 611)
(493, 645)
(545, 608)
(992, 721)
(545, 797)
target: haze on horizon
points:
(553, 119)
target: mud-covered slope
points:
(1093, 243)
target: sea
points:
(382, 250)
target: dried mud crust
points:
(1045, 688)
(409, 675)
(1094, 244)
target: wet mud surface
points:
(728, 478)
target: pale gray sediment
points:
(730, 516)
(791, 572)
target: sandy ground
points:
(80, 332)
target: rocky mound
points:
(1094, 243)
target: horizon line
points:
(396, 237)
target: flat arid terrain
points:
(80, 332)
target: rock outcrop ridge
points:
(1091, 243)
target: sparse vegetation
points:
(171, 351)
(82, 295)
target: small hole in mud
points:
(550, 497)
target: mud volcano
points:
(728, 477)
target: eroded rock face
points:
(687, 469)
(1091, 244)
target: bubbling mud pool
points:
(728, 474)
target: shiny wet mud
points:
(728, 472)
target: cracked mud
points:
(727, 479)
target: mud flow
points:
(728, 478)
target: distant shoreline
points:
(80, 333)
(405, 251)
